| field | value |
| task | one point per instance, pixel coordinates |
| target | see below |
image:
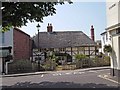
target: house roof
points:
(103, 33)
(21, 31)
(113, 27)
(63, 39)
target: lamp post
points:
(38, 26)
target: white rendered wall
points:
(113, 18)
(115, 53)
(112, 13)
(104, 41)
(119, 52)
(0, 66)
(119, 12)
(8, 39)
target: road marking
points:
(103, 70)
(42, 75)
(93, 71)
(56, 74)
(60, 74)
(75, 72)
(81, 72)
(105, 77)
(67, 73)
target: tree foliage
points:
(80, 56)
(19, 13)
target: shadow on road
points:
(47, 84)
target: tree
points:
(19, 13)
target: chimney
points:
(49, 28)
(92, 33)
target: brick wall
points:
(21, 45)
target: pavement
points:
(108, 77)
(46, 72)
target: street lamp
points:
(38, 26)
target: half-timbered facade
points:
(65, 42)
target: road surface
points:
(61, 79)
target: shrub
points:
(94, 61)
(80, 56)
(49, 65)
(19, 66)
(107, 48)
(100, 61)
(35, 67)
(79, 60)
(106, 60)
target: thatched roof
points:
(63, 39)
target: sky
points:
(78, 16)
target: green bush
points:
(107, 48)
(94, 61)
(106, 60)
(80, 56)
(49, 65)
(79, 60)
(19, 66)
(100, 61)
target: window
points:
(106, 37)
(118, 31)
(62, 49)
(51, 49)
(103, 39)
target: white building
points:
(5, 41)
(21, 44)
(104, 40)
(112, 35)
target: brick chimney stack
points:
(49, 28)
(92, 33)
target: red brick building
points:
(20, 41)
(21, 44)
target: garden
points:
(51, 64)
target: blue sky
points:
(78, 16)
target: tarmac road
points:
(61, 79)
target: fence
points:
(22, 66)
(86, 63)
